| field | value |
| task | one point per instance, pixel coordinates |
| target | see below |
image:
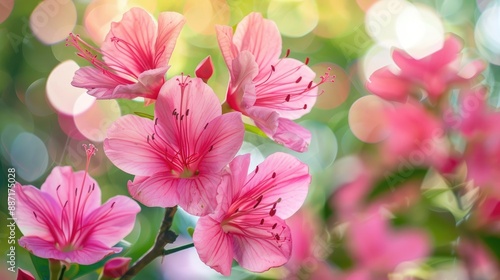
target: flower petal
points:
(197, 195)
(158, 190)
(128, 47)
(37, 212)
(111, 222)
(169, 27)
(99, 84)
(89, 254)
(148, 85)
(127, 146)
(62, 184)
(220, 141)
(214, 247)
(225, 40)
(258, 254)
(260, 37)
(389, 86)
(292, 135)
(241, 92)
(266, 119)
(280, 176)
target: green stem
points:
(164, 237)
(61, 276)
(180, 248)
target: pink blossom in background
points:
(478, 259)
(434, 74)
(378, 249)
(486, 214)
(270, 90)
(248, 223)
(64, 219)
(24, 275)
(135, 56)
(116, 267)
(178, 158)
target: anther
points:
(272, 212)
(274, 226)
(298, 80)
(261, 220)
(287, 52)
(274, 175)
(258, 201)
(305, 106)
(287, 98)
(272, 68)
(307, 61)
(256, 169)
(113, 204)
(187, 112)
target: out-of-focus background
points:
(44, 120)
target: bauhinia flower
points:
(248, 223)
(270, 90)
(64, 219)
(135, 56)
(179, 157)
(434, 73)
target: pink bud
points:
(24, 275)
(205, 69)
(116, 267)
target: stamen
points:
(307, 61)
(274, 175)
(287, 52)
(258, 201)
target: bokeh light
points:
(6, 9)
(486, 33)
(35, 99)
(294, 18)
(366, 118)
(203, 15)
(29, 156)
(94, 122)
(64, 97)
(52, 21)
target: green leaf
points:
(493, 243)
(254, 129)
(41, 267)
(391, 181)
(144, 115)
(190, 231)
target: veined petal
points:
(128, 47)
(214, 247)
(197, 195)
(76, 188)
(266, 119)
(220, 141)
(148, 85)
(260, 37)
(241, 92)
(292, 135)
(31, 200)
(225, 40)
(169, 27)
(89, 254)
(280, 176)
(259, 254)
(389, 86)
(112, 221)
(99, 84)
(127, 146)
(158, 190)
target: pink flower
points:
(24, 275)
(135, 56)
(434, 73)
(178, 158)
(116, 267)
(270, 90)
(248, 223)
(65, 221)
(205, 69)
(379, 249)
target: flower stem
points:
(164, 237)
(180, 248)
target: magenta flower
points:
(434, 73)
(64, 220)
(270, 90)
(135, 56)
(248, 223)
(178, 158)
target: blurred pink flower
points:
(178, 158)
(135, 56)
(416, 138)
(379, 249)
(248, 224)
(478, 259)
(65, 221)
(270, 90)
(434, 73)
(24, 275)
(486, 214)
(115, 267)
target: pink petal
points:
(283, 81)
(197, 97)
(31, 200)
(128, 47)
(169, 28)
(197, 195)
(89, 254)
(415, 244)
(99, 84)
(116, 267)
(127, 147)
(225, 40)
(62, 184)
(292, 135)
(472, 69)
(24, 275)
(214, 247)
(290, 183)
(158, 190)
(220, 142)
(111, 222)
(259, 255)
(389, 86)
(260, 37)
(241, 92)
(205, 69)
(148, 85)
(266, 119)
(231, 184)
